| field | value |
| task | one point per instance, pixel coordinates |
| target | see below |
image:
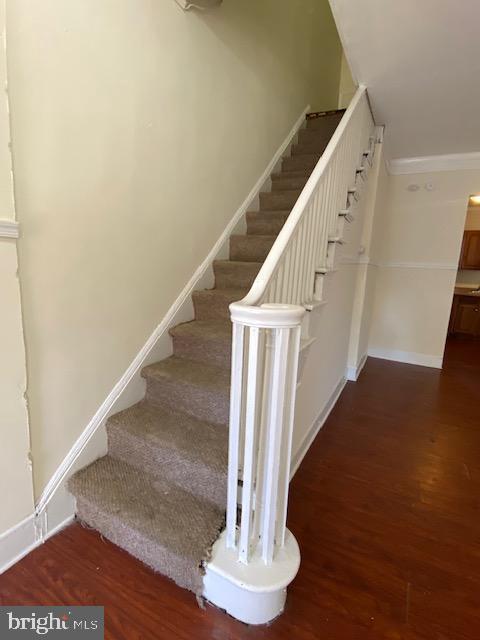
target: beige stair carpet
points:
(160, 493)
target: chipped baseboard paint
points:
(20, 540)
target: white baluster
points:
(236, 386)
(249, 456)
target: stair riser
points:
(296, 163)
(250, 248)
(215, 352)
(328, 124)
(264, 227)
(163, 463)
(207, 308)
(309, 148)
(278, 200)
(287, 184)
(138, 545)
(235, 275)
(306, 136)
(204, 404)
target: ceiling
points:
(420, 60)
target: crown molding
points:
(431, 164)
(9, 229)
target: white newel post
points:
(256, 557)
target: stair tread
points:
(211, 329)
(197, 440)
(268, 212)
(306, 155)
(253, 238)
(227, 294)
(190, 372)
(240, 263)
(280, 175)
(282, 192)
(163, 525)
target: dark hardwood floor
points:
(385, 507)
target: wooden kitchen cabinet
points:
(465, 317)
(470, 254)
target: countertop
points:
(461, 291)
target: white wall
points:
(340, 327)
(367, 269)
(138, 129)
(418, 238)
(15, 472)
(419, 61)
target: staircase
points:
(161, 492)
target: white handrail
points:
(268, 268)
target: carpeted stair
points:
(160, 493)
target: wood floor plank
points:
(385, 508)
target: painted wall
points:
(472, 223)
(418, 239)
(348, 85)
(15, 472)
(138, 129)
(420, 89)
(367, 268)
(340, 327)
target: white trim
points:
(254, 593)
(138, 362)
(17, 542)
(357, 260)
(430, 164)
(270, 265)
(315, 427)
(448, 266)
(9, 229)
(408, 357)
(353, 373)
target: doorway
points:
(464, 325)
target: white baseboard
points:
(312, 432)
(354, 372)
(130, 388)
(18, 541)
(408, 357)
